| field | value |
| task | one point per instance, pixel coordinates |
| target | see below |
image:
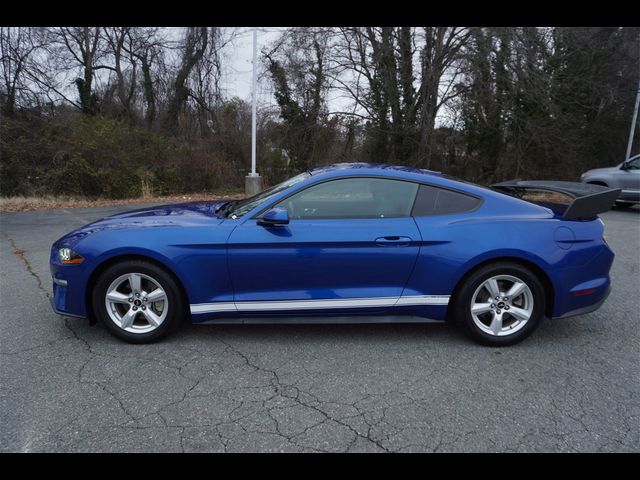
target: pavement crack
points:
(281, 390)
(21, 254)
(37, 347)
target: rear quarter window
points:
(440, 201)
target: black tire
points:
(176, 305)
(464, 296)
(624, 205)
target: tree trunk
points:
(195, 46)
(149, 94)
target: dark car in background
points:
(625, 176)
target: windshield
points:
(241, 208)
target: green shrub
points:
(72, 175)
(97, 156)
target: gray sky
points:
(236, 79)
(237, 70)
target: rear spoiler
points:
(588, 200)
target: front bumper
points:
(59, 312)
(69, 289)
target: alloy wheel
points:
(136, 303)
(502, 305)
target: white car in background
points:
(625, 176)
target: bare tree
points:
(86, 47)
(205, 80)
(17, 45)
(147, 46)
(439, 57)
(195, 45)
(134, 51)
(378, 69)
(120, 41)
(297, 65)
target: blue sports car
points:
(344, 243)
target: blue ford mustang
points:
(344, 243)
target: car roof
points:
(420, 175)
(383, 167)
(394, 171)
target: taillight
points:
(586, 291)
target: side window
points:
(353, 198)
(440, 201)
(634, 164)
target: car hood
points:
(605, 170)
(175, 212)
(191, 214)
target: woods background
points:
(122, 112)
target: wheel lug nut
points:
(131, 299)
(144, 299)
(506, 307)
(144, 308)
(497, 311)
(497, 298)
(135, 308)
(493, 305)
(137, 294)
(505, 298)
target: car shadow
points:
(320, 333)
(434, 335)
(634, 209)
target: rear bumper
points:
(630, 196)
(588, 308)
(582, 288)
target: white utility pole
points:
(253, 182)
(253, 105)
(633, 122)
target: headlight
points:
(69, 257)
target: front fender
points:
(598, 180)
(196, 256)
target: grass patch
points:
(55, 202)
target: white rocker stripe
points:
(319, 304)
(316, 304)
(423, 300)
(213, 307)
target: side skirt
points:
(320, 304)
(327, 320)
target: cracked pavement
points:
(573, 386)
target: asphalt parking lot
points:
(67, 386)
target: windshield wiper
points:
(225, 208)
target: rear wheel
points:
(137, 301)
(500, 304)
(624, 204)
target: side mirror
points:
(274, 217)
(625, 166)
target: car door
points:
(630, 177)
(350, 244)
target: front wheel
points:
(500, 304)
(137, 301)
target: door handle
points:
(394, 240)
